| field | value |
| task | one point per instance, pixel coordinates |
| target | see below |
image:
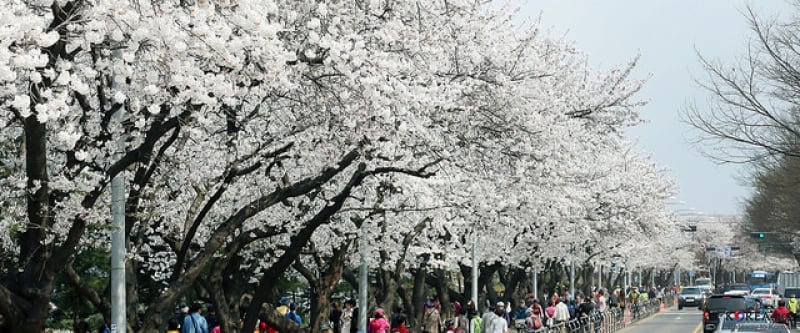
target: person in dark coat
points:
(211, 316)
(335, 316)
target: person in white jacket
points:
(562, 314)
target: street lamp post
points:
(572, 279)
(600, 277)
(363, 274)
(474, 269)
(118, 246)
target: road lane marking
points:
(698, 328)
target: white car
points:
(738, 289)
(769, 297)
(729, 320)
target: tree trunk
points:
(515, 276)
(391, 292)
(25, 304)
(131, 296)
(485, 281)
(326, 284)
(443, 293)
(420, 295)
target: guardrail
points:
(611, 320)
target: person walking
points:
(600, 309)
(194, 322)
(334, 316)
(633, 300)
(537, 309)
(487, 317)
(498, 322)
(520, 315)
(431, 320)
(211, 316)
(346, 322)
(793, 307)
(781, 314)
(283, 309)
(399, 321)
(379, 324)
(292, 314)
(562, 315)
(474, 321)
(532, 322)
(550, 313)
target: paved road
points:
(669, 321)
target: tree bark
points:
(420, 295)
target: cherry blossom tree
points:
(496, 183)
(256, 130)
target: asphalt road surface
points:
(669, 320)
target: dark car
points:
(721, 304)
(691, 296)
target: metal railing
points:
(611, 320)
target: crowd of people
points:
(557, 309)
(190, 319)
(529, 315)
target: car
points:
(704, 283)
(788, 292)
(717, 305)
(761, 327)
(753, 304)
(769, 297)
(729, 320)
(737, 289)
(691, 296)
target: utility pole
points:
(474, 269)
(118, 251)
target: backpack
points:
(533, 323)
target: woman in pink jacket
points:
(379, 324)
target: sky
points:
(668, 34)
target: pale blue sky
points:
(668, 34)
